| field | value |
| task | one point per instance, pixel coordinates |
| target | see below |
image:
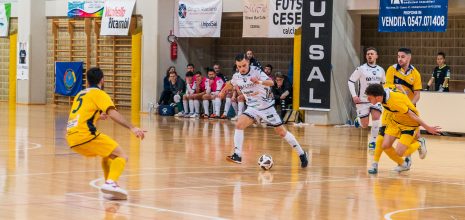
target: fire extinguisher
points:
(173, 46)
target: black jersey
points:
(439, 75)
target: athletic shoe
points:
(234, 118)
(408, 161)
(372, 146)
(213, 116)
(224, 117)
(304, 160)
(113, 189)
(373, 169)
(180, 114)
(401, 168)
(195, 115)
(205, 116)
(234, 158)
(422, 151)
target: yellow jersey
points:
(398, 104)
(410, 80)
(85, 111)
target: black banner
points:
(315, 71)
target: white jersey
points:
(257, 96)
(190, 88)
(366, 75)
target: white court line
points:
(35, 146)
(152, 208)
(93, 184)
(161, 168)
(388, 215)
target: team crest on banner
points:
(68, 80)
(198, 18)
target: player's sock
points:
(185, 104)
(378, 148)
(205, 107)
(116, 168)
(238, 141)
(191, 106)
(241, 108)
(217, 106)
(106, 162)
(227, 105)
(234, 105)
(197, 106)
(412, 148)
(293, 142)
(391, 152)
(374, 130)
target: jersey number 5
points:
(79, 99)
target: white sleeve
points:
(262, 76)
(208, 89)
(189, 89)
(383, 80)
(352, 80)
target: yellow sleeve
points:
(417, 84)
(103, 101)
(390, 78)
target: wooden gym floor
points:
(179, 172)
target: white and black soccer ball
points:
(265, 162)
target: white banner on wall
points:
(5, 12)
(255, 18)
(22, 69)
(198, 18)
(85, 8)
(275, 19)
(285, 17)
(117, 17)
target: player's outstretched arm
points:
(118, 118)
(436, 130)
(227, 86)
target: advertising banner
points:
(117, 17)
(198, 18)
(412, 16)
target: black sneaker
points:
(234, 158)
(304, 160)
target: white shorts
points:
(269, 115)
(363, 110)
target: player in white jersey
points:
(256, 88)
(187, 98)
(367, 74)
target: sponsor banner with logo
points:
(68, 78)
(22, 67)
(5, 12)
(85, 8)
(255, 18)
(285, 17)
(198, 18)
(412, 16)
(271, 18)
(117, 17)
(315, 70)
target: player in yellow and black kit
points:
(405, 78)
(404, 123)
(90, 105)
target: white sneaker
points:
(195, 115)
(180, 114)
(422, 151)
(402, 168)
(113, 189)
(234, 118)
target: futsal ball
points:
(265, 162)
